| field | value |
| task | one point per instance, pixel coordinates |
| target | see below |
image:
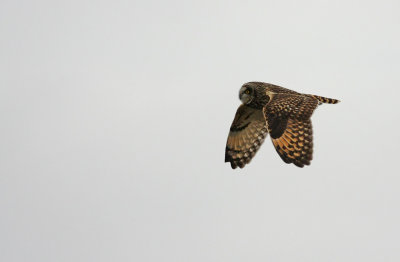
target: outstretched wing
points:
(289, 123)
(247, 133)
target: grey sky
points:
(114, 117)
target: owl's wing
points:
(289, 123)
(247, 133)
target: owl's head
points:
(253, 94)
(246, 93)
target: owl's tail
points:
(326, 100)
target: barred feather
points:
(295, 145)
(326, 100)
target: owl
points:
(283, 113)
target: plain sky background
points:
(114, 118)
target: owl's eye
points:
(247, 92)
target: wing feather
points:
(296, 149)
(247, 133)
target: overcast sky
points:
(114, 118)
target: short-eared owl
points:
(283, 113)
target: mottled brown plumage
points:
(283, 113)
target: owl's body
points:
(283, 113)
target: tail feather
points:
(326, 100)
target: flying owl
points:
(283, 113)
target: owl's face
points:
(246, 94)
